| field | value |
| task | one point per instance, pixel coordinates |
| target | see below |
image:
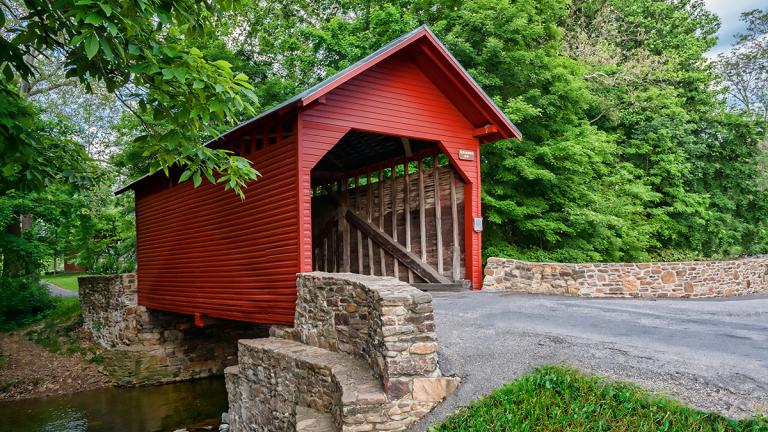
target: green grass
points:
(68, 281)
(560, 399)
(57, 331)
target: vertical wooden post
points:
(358, 232)
(438, 211)
(325, 254)
(369, 187)
(393, 201)
(456, 249)
(344, 225)
(334, 249)
(407, 211)
(422, 215)
(382, 255)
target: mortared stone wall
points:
(694, 279)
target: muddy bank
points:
(28, 370)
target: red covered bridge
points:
(375, 170)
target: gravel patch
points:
(58, 291)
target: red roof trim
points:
(488, 106)
(461, 71)
(348, 75)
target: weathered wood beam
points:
(451, 286)
(393, 201)
(407, 210)
(407, 147)
(344, 227)
(456, 249)
(359, 234)
(422, 214)
(438, 213)
(325, 256)
(386, 242)
(382, 255)
(369, 215)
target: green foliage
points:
(647, 69)
(632, 149)
(34, 153)
(140, 49)
(57, 331)
(22, 254)
(564, 400)
(22, 302)
(85, 224)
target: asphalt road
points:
(712, 354)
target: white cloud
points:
(729, 12)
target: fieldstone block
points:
(433, 389)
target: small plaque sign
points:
(478, 224)
(467, 155)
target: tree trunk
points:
(11, 259)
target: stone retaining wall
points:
(381, 320)
(149, 346)
(647, 280)
(363, 348)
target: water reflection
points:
(143, 409)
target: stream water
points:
(142, 409)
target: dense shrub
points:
(22, 301)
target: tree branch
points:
(65, 83)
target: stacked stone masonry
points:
(148, 346)
(647, 280)
(363, 350)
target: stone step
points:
(332, 383)
(309, 420)
(358, 384)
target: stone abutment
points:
(362, 356)
(147, 346)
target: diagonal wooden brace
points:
(384, 241)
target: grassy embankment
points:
(58, 331)
(558, 399)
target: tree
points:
(49, 158)
(646, 66)
(744, 67)
(138, 51)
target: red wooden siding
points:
(205, 251)
(393, 97)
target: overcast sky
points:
(729, 12)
